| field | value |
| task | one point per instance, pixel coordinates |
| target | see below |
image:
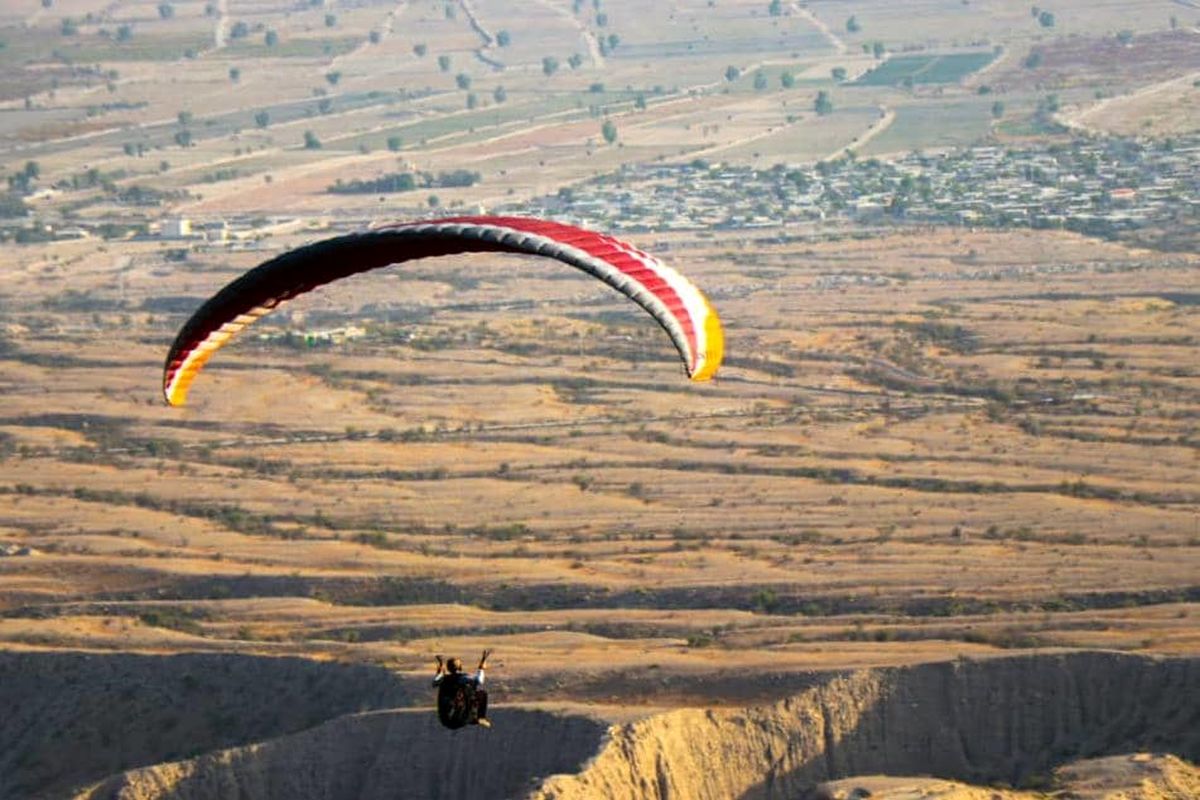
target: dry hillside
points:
(993, 721)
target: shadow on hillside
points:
(1004, 720)
(72, 718)
(380, 756)
(81, 718)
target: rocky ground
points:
(276, 728)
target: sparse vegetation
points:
(956, 416)
(609, 131)
(406, 181)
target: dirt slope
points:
(995, 720)
(1140, 776)
(978, 721)
(377, 756)
(71, 718)
(1137, 777)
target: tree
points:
(419, 50)
(997, 109)
(601, 20)
(47, 3)
(124, 33)
(463, 80)
(1046, 19)
(852, 24)
(235, 74)
(639, 102)
(775, 8)
(877, 49)
(271, 39)
(21, 181)
(787, 80)
(760, 81)
(732, 73)
(1033, 60)
(823, 104)
(374, 37)
(574, 61)
(444, 63)
(331, 20)
(549, 65)
(324, 105)
(1125, 37)
(184, 117)
(613, 41)
(394, 143)
(434, 201)
(12, 206)
(262, 119)
(311, 142)
(166, 10)
(239, 30)
(839, 73)
(333, 77)
(609, 131)
(503, 39)
(499, 94)
(183, 138)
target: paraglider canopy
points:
(670, 298)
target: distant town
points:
(1097, 186)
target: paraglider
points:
(670, 298)
(461, 700)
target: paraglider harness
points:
(460, 700)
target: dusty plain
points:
(926, 444)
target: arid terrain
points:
(934, 530)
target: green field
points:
(948, 68)
(156, 48)
(414, 133)
(292, 48)
(774, 73)
(933, 125)
(21, 47)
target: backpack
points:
(456, 701)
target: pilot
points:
(462, 700)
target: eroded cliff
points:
(987, 721)
(993, 720)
